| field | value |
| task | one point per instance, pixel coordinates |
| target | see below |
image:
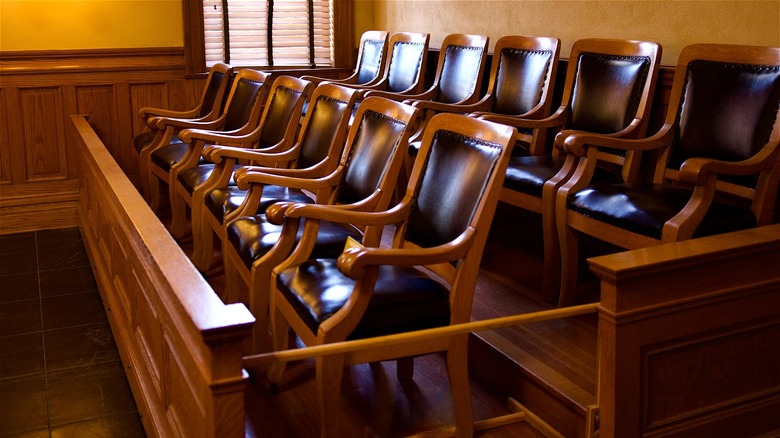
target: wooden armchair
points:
(240, 114)
(608, 90)
(440, 226)
(363, 181)
(316, 152)
(404, 72)
(371, 61)
(209, 108)
(719, 163)
(274, 134)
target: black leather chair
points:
(316, 152)
(363, 181)
(608, 90)
(719, 164)
(371, 61)
(274, 134)
(240, 114)
(209, 108)
(441, 225)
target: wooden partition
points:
(689, 338)
(180, 344)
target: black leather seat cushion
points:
(144, 139)
(404, 299)
(644, 208)
(254, 236)
(196, 176)
(170, 154)
(224, 201)
(528, 174)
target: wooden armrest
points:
(450, 107)
(338, 213)
(163, 122)
(161, 112)
(354, 261)
(574, 142)
(246, 176)
(696, 170)
(266, 156)
(557, 119)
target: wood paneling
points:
(180, 344)
(38, 93)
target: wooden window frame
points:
(194, 46)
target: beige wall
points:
(89, 24)
(673, 24)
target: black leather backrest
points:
(247, 92)
(520, 80)
(726, 111)
(370, 59)
(211, 93)
(405, 65)
(326, 113)
(371, 152)
(277, 115)
(459, 73)
(456, 173)
(607, 91)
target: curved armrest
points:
(163, 122)
(354, 261)
(148, 111)
(247, 175)
(266, 156)
(451, 107)
(696, 170)
(343, 214)
(574, 142)
(557, 119)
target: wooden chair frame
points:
(456, 262)
(370, 36)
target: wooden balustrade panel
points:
(180, 344)
(689, 337)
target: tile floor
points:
(60, 371)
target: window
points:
(267, 33)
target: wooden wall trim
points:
(688, 336)
(92, 60)
(181, 345)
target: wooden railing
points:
(689, 338)
(180, 344)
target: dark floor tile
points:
(37, 433)
(68, 257)
(89, 392)
(67, 281)
(71, 310)
(18, 317)
(60, 238)
(18, 263)
(79, 346)
(23, 404)
(14, 243)
(21, 355)
(17, 287)
(114, 426)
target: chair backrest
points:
(371, 56)
(609, 84)
(724, 105)
(372, 160)
(282, 110)
(216, 85)
(454, 191)
(522, 73)
(325, 125)
(459, 70)
(240, 107)
(407, 53)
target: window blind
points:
(268, 33)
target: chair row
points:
(284, 215)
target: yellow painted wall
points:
(671, 23)
(89, 24)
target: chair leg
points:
(203, 246)
(405, 369)
(280, 332)
(232, 282)
(154, 192)
(551, 270)
(178, 226)
(569, 260)
(257, 301)
(330, 370)
(457, 368)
